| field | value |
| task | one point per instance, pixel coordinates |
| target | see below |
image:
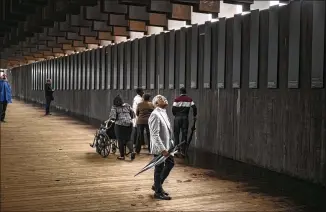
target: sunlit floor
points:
(47, 165)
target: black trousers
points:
(140, 137)
(181, 124)
(48, 100)
(161, 172)
(3, 108)
(123, 134)
(134, 135)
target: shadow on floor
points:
(260, 180)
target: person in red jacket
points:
(180, 110)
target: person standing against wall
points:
(143, 111)
(180, 110)
(137, 99)
(48, 96)
(5, 96)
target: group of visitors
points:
(130, 123)
(135, 120)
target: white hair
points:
(157, 97)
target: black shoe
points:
(164, 192)
(162, 196)
(133, 155)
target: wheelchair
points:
(105, 140)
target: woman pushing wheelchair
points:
(123, 114)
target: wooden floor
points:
(47, 165)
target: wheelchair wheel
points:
(105, 151)
(96, 143)
(104, 147)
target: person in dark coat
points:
(48, 96)
(180, 109)
(123, 114)
(5, 96)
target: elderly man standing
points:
(48, 96)
(5, 96)
(161, 141)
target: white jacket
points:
(160, 131)
(137, 99)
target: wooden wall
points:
(257, 79)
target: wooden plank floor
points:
(47, 165)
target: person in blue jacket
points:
(5, 96)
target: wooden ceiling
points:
(32, 30)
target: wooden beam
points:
(77, 43)
(94, 13)
(120, 31)
(163, 7)
(91, 40)
(117, 20)
(138, 13)
(157, 19)
(113, 7)
(207, 6)
(135, 2)
(57, 50)
(101, 26)
(87, 32)
(61, 40)
(67, 47)
(181, 12)
(105, 36)
(78, 20)
(74, 36)
(137, 26)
